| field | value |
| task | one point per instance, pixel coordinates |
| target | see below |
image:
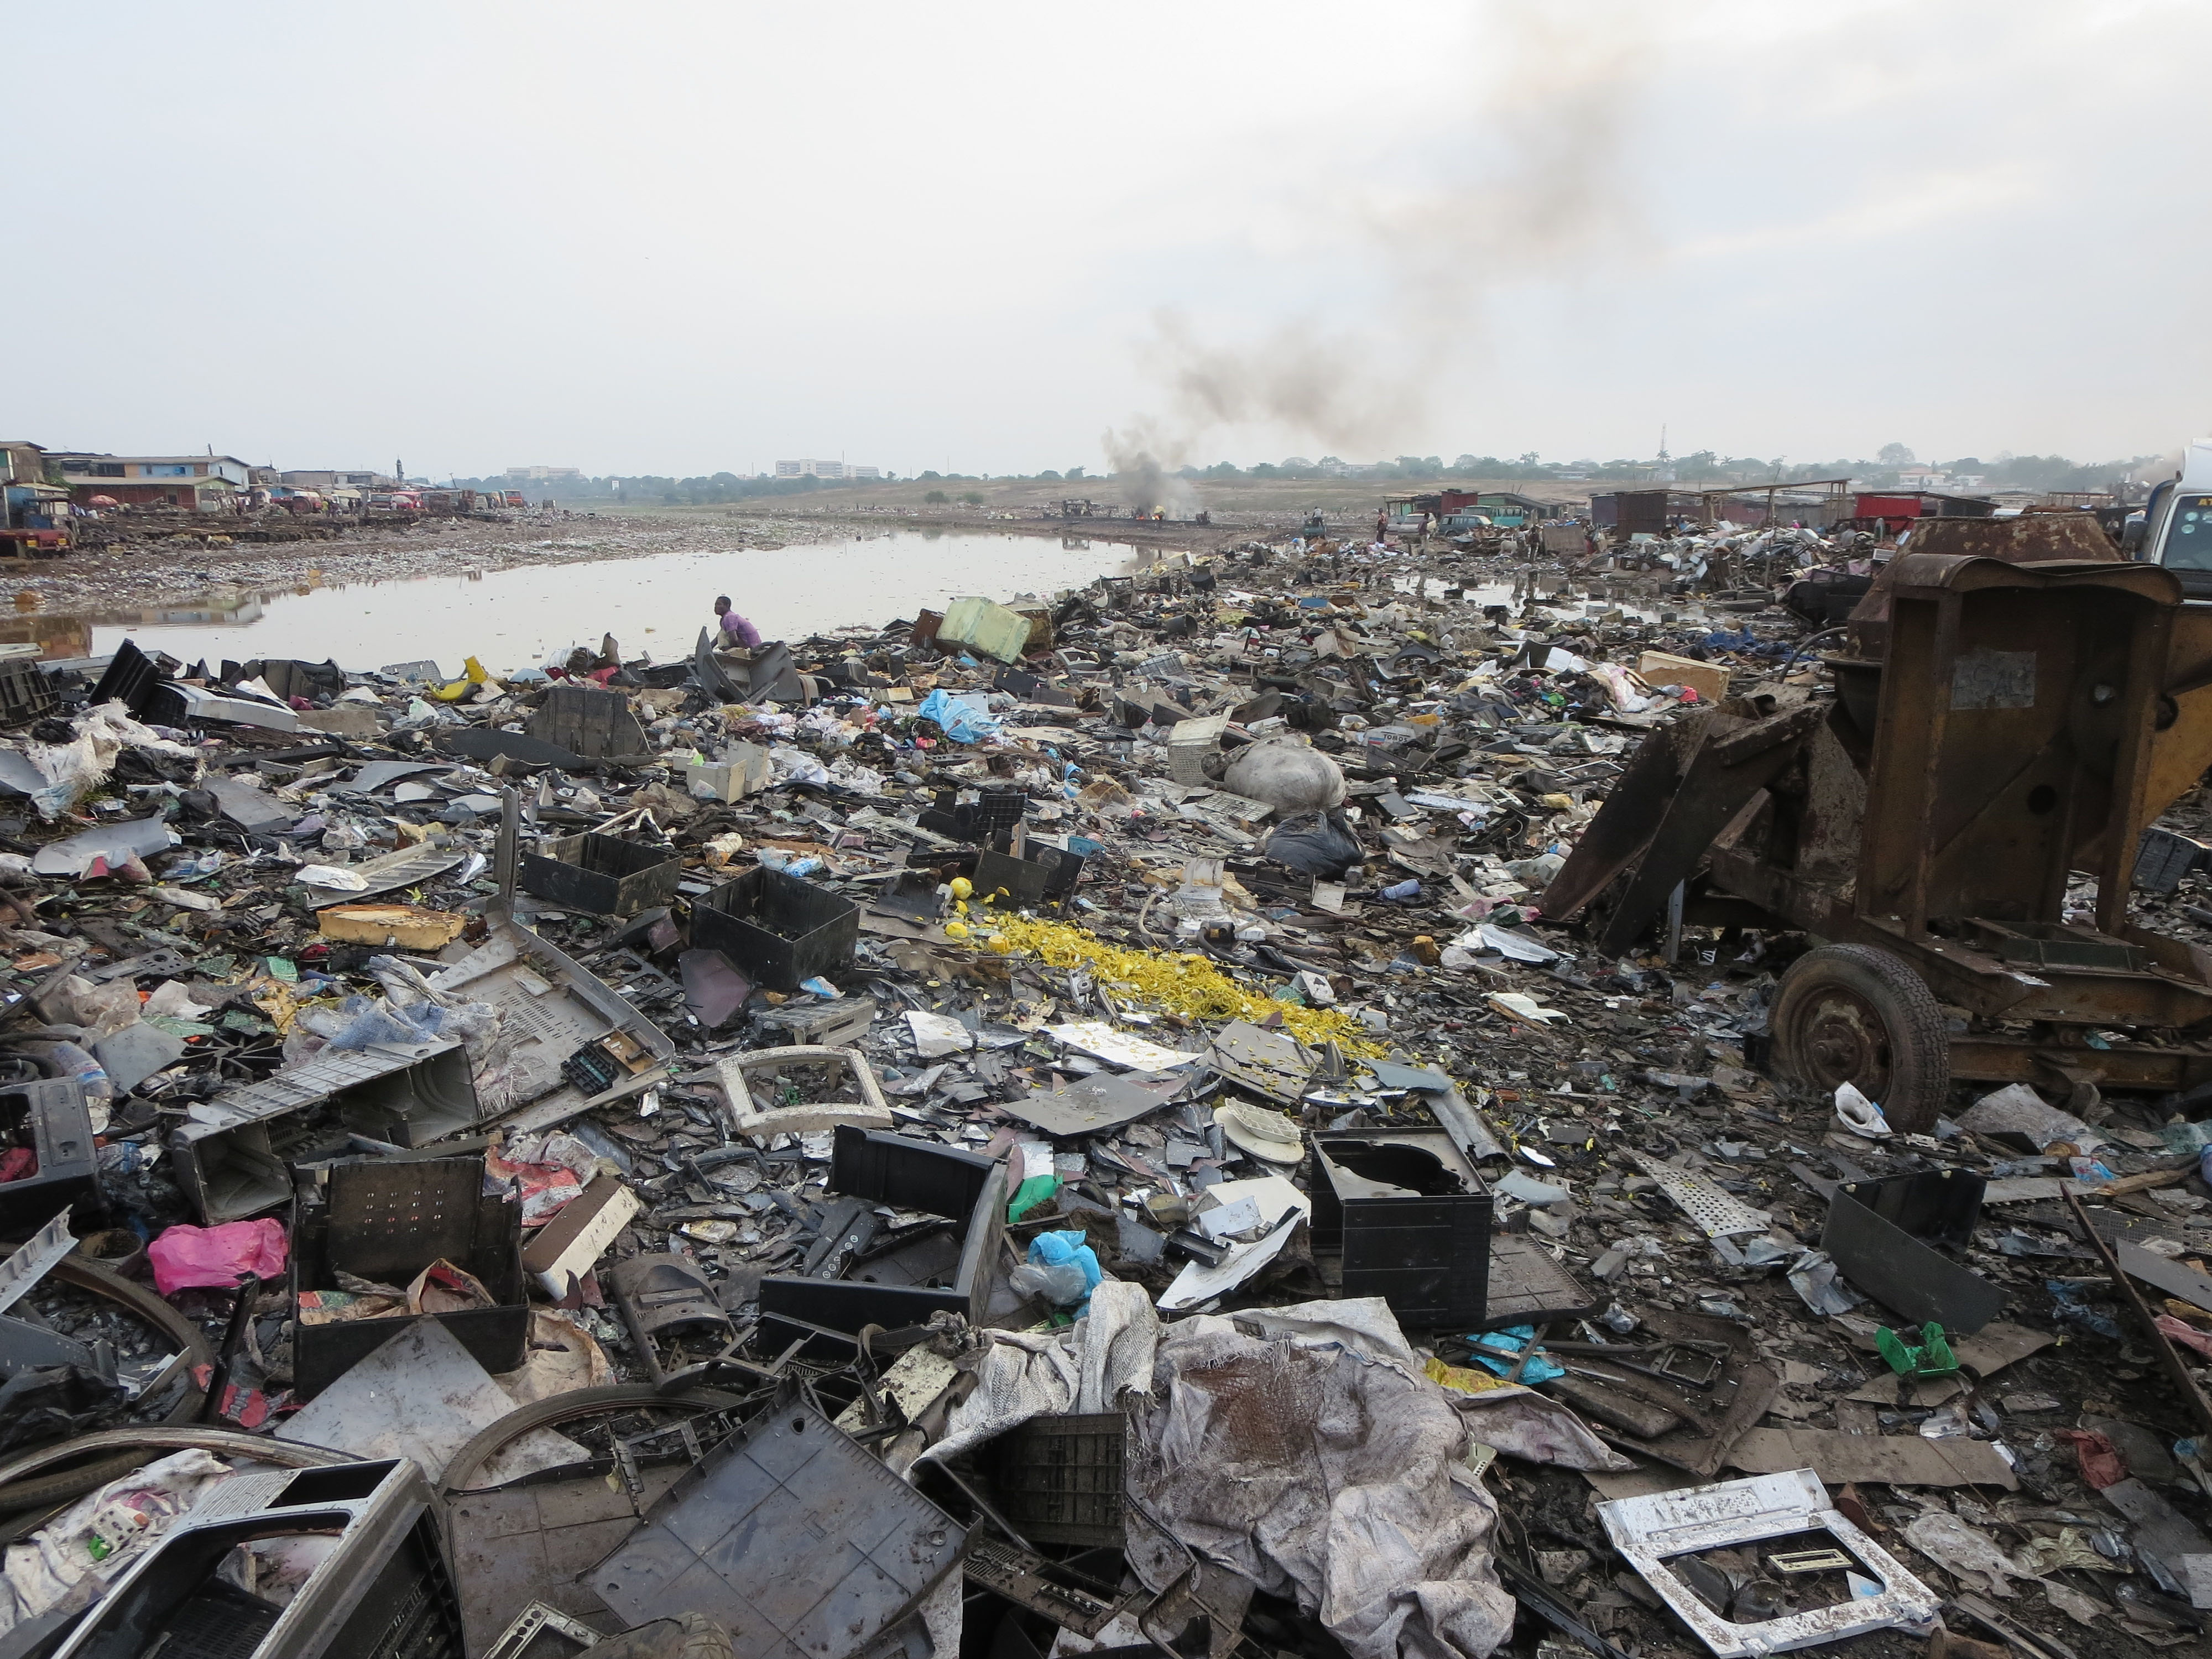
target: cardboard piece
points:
(1898, 1460)
(563, 1251)
(1709, 680)
(409, 926)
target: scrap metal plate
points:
(797, 1541)
(1102, 1101)
(1719, 1214)
(1271, 1063)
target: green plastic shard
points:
(1932, 1357)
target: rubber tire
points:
(1913, 1031)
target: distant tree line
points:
(1889, 467)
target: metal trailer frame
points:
(2026, 721)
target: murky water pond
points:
(653, 602)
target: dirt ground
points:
(1239, 503)
(178, 570)
(184, 568)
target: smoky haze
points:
(970, 238)
(1532, 178)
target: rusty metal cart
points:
(1999, 727)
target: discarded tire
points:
(1851, 1014)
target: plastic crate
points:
(387, 1219)
(995, 812)
(1029, 877)
(776, 929)
(1059, 1479)
(1411, 1219)
(907, 1174)
(603, 875)
(26, 693)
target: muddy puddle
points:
(516, 616)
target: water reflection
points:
(58, 638)
(654, 604)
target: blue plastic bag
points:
(962, 722)
(1513, 1338)
(1062, 1269)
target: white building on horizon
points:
(825, 470)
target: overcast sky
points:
(681, 238)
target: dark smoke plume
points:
(1536, 180)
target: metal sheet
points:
(423, 1395)
(1104, 1101)
(1095, 1036)
(1717, 1212)
(73, 855)
(1271, 1063)
(801, 1544)
(408, 867)
(383, 774)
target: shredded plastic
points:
(1182, 982)
(1465, 1380)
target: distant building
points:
(825, 470)
(23, 464)
(367, 478)
(545, 474)
(197, 483)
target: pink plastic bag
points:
(221, 1256)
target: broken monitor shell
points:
(233, 1155)
(380, 1590)
(1651, 1531)
(552, 1005)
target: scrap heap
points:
(1040, 1128)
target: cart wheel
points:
(1849, 1013)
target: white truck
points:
(2176, 524)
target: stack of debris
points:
(1255, 1107)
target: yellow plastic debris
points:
(473, 674)
(1177, 981)
(1461, 1377)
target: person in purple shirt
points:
(735, 629)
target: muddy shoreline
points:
(176, 571)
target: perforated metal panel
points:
(1718, 1213)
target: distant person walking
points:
(1381, 526)
(733, 629)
